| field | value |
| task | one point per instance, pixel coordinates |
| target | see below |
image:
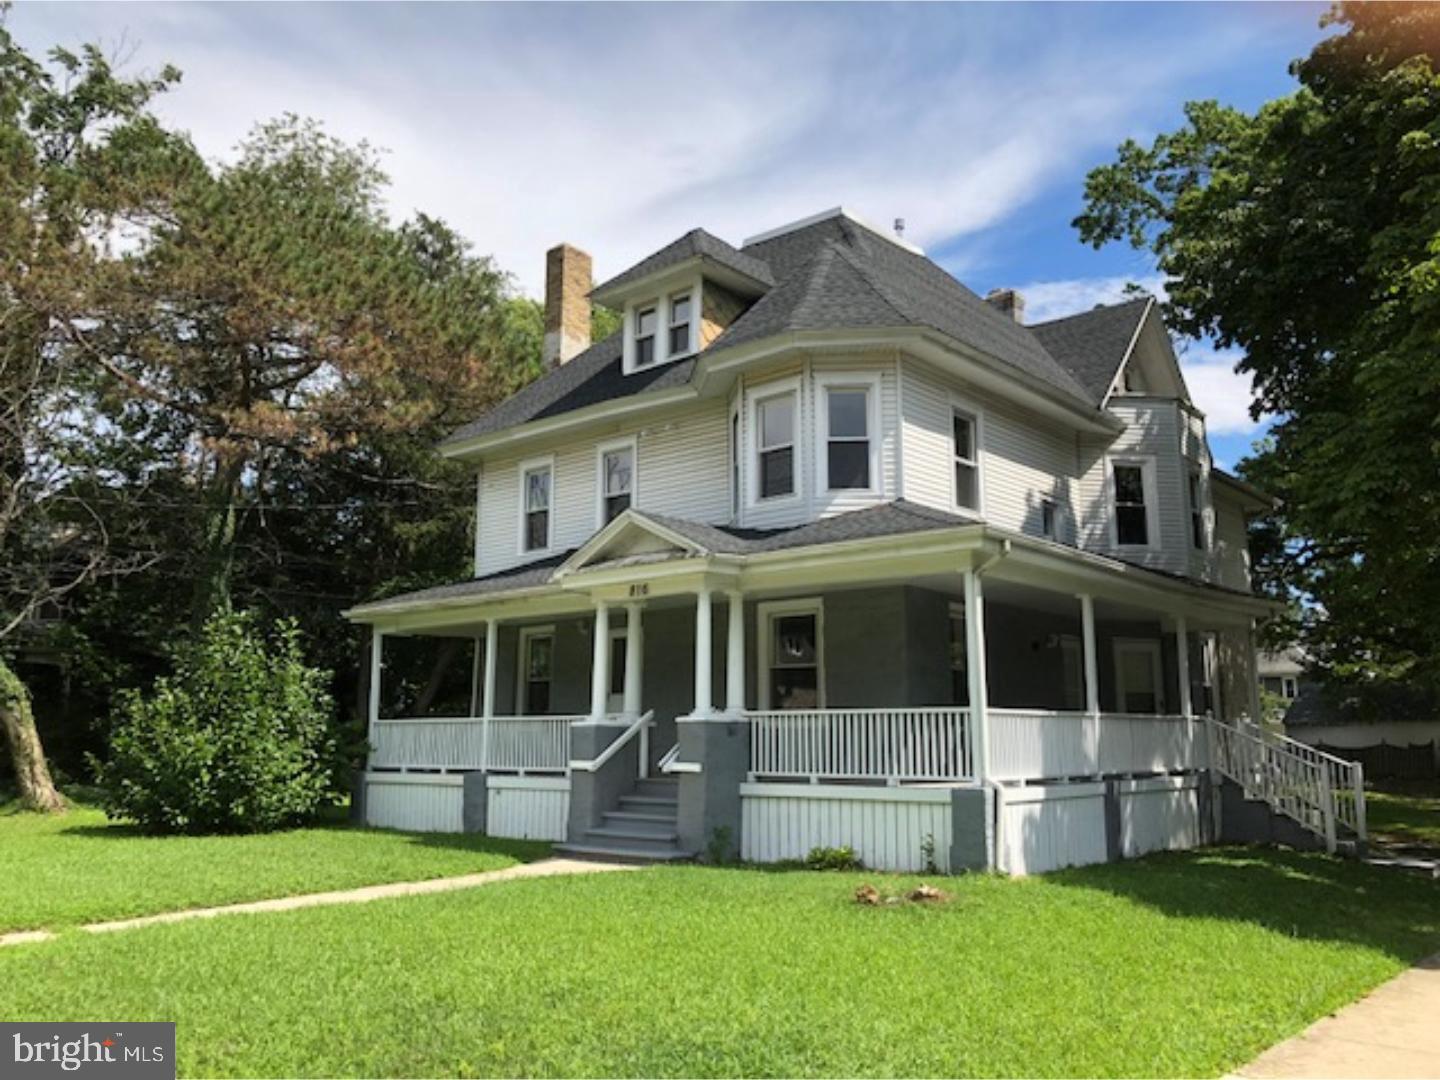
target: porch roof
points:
(696, 540)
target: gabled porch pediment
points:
(631, 535)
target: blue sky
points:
(617, 128)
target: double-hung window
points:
(847, 438)
(647, 321)
(776, 446)
(680, 319)
(1132, 512)
(536, 492)
(792, 675)
(1197, 512)
(967, 459)
(1049, 527)
(617, 481)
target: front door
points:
(616, 701)
(1137, 676)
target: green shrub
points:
(236, 740)
(833, 858)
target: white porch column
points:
(600, 662)
(704, 696)
(1092, 663)
(1252, 675)
(475, 670)
(735, 656)
(492, 646)
(634, 658)
(975, 670)
(487, 697)
(377, 647)
(1182, 665)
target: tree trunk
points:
(212, 585)
(444, 656)
(37, 789)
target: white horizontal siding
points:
(886, 827)
(681, 470)
(1151, 431)
(527, 807)
(415, 802)
(1024, 458)
(1231, 552)
(1047, 827)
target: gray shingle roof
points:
(1092, 344)
(695, 243)
(832, 275)
(887, 519)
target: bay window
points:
(847, 438)
(1133, 503)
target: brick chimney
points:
(1009, 301)
(567, 304)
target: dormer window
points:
(646, 321)
(680, 305)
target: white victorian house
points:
(821, 549)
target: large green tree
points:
(1307, 234)
(80, 156)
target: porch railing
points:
(1320, 791)
(1032, 744)
(502, 743)
(893, 745)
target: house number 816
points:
(639, 589)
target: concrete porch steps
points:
(642, 828)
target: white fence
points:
(1030, 744)
(889, 828)
(415, 802)
(894, 745)
(1320, 791)
(527, 807)
(508, 743)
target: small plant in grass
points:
(833, 858)
(927, 854)
(720, 849)
(236, 740)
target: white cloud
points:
(1222, 393)
(618, 128)
(1045, 300)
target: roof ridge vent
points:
(826, 215)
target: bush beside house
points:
(238, 739)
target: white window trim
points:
(841, 380)
(1147, 645)
(526, 467)
(1054, 505)
(630, 443)
(522, 684)
(977, 419)
(662, 300)
(760, 394)
(1152, 501)
(735, 461)
(765, 613)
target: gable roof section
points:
(697, 243)
(1092, 345)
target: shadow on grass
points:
(1302, 895)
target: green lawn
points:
(1406, 813)
(79, 867)
(1177, 964)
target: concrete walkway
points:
(543, 868)
(1394, 1032)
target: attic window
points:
(680, 324)
(646, 320)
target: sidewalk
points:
(543, 868)
(1394, 1032)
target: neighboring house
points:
(823, 548)
(1282, 673)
